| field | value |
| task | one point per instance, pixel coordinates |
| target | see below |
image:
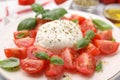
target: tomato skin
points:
(94, 51)
(59, 1)
(33, 49)
(32, 33)
(91, 49)
(67, 56)
(54, 71)
(104, 35)
(16, 52)
(107, 47)
(86, 25)
(24, 42)
(85, 64)
(77, 17)
(26, 2)
(32, 65)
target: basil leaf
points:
(90, 34)
(75, 21)
(10, 63)
(99, 66)
(113, 39)
(101, 24)
(46, 10)
(54, 14)
(82, 43)
(21, 35)
(42, 55)
(56, 60)
(27, 24)
(37, 8)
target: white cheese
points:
(58, 34)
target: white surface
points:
(110, 68)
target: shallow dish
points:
(112, 12)
(110, 67)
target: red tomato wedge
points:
(32, 65)
(107, 47)
(86, 25)
(85, 64)
(91, 49)
(16, 52)
(67, 56)
(54, 71)
(25, 33)
(32, 33)
(24, 42)
(58, 2)
(34, 49)
(104, 35)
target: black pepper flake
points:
(64, 76)
(45, 31)
(59, 40)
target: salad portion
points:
(54, 44)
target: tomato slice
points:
(59, 1)
(77, 17)
(24, 42)
(85, 64)
(32, 33)
(54, 71)
(86, 25)
(104, 35)
(107, 47)
(32, 65)
(34, 49)
(93, 50)
(67, 55)
(16, 52)
(25, 33)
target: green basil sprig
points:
(48, 14)
(37, 8)
(56, 60)
(86, 40)
(10, 63)
(42, 55)
(99, 67)
(90, 34)
(27, 24)
(82, 43)
(54, 14)
(101, 24)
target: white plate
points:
(110, 68)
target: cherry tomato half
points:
(32, 65)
